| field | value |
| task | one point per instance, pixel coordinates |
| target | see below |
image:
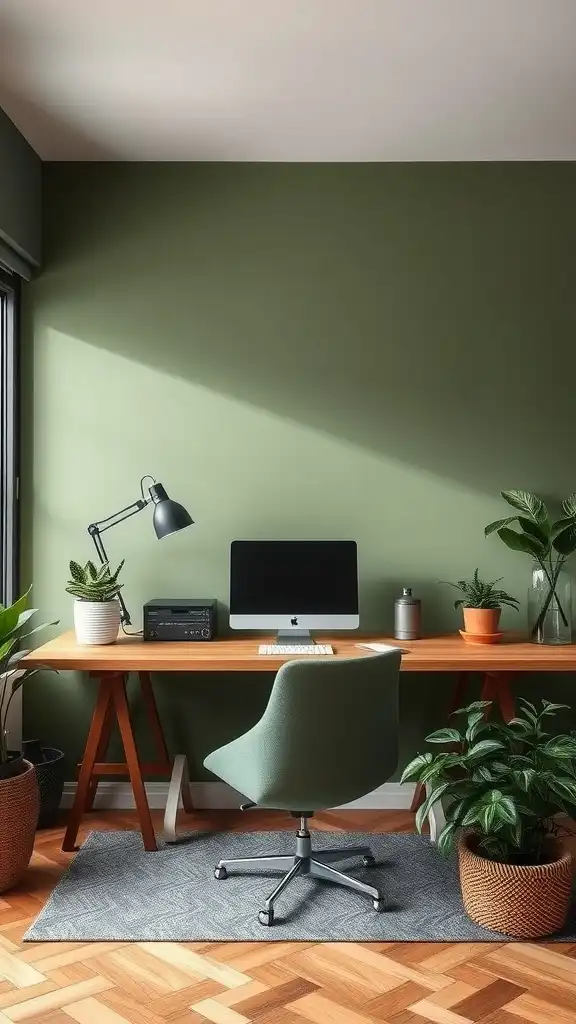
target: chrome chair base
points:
(304, 862)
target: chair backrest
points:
(330, 730)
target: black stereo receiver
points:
(180, 619)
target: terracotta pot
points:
(481, 638)
(481, 620)
(526, 901)
(19, 806)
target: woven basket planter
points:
(18, 816)
(526, 901)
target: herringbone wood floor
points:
(265, 982)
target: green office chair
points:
(329, 734)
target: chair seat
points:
(234, 763)
(329, 734)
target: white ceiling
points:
(292, 79)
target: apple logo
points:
(294, 620)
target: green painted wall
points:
(321, 351)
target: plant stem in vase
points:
(551, 543)
(549, 605)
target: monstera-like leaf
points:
(528, 504)
(522, 542)
(565, 542)
(569, 506)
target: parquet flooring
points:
(269, 982)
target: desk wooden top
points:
(431, 654)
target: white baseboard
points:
(219, 796)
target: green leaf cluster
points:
(13, 620)
(505, 782)
(88, 583)
(478, 594)
(550, 543)
(536, 534)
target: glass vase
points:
(550, 606)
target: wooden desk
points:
(111, 664)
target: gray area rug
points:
(113, 890)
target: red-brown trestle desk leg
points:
(112, 705)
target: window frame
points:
(9, 436)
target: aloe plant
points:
(13, 619)
(549, 543)
(89, 583)
(505, 782)
(478, 594)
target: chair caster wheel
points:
(378, 905)
(368, 860)
(220, 873)
(266, 917)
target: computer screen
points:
(283, 584)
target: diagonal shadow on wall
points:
(421, 311)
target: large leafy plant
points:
(549, 543)
(478, 594)
(505, 782)
(91, 584)
(13, 619)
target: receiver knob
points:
(205, 633)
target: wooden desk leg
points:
(496, 687)
(158, 733)
(457, 697)
(154, 718)
(419, 797)
(135, 772)
(92, 744)
(101, 753)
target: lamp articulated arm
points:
(169, 517)
(97, 529)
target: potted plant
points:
(49, 766)
(96, 610)
(505, 783)
(550, 544)
(481, 605)
(18, 785)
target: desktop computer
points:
(293, 586)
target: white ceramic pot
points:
(96, 622)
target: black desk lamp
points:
(169, 517)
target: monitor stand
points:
(294, 638)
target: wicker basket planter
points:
(18, 816)
(526, 901)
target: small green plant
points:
(12, 621)
(91, 584)
(549, 543)
(478, 594)
(505, 782)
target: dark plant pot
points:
(50, 777)
(15, 765)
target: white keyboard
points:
(295, 649)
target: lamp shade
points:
(169, 516)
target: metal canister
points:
(407, 616)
